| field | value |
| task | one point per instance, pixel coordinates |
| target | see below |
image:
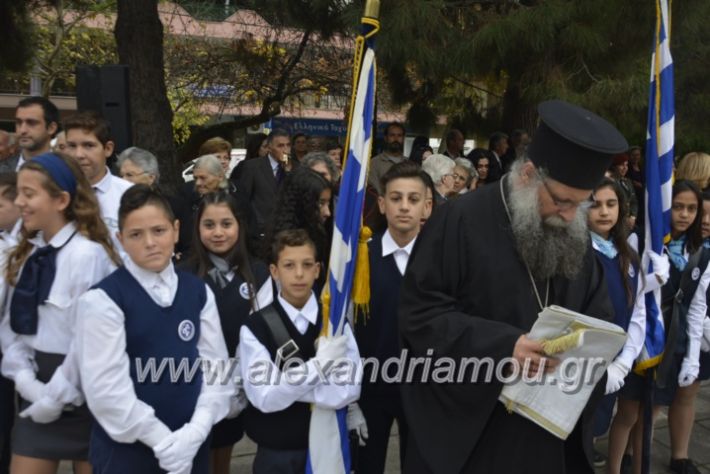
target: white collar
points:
(389, 246)
(59, 239)
(309, 310)
(149, 278)
(105, 184)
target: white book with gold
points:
(585, 346)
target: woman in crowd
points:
(138, 166)
(695, 167)
(465, 177)
(619, 170)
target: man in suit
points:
(260, 178)
(498, 144)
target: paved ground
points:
(699, 445)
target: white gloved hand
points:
(661, 266)
(237, 404)
(177, 451)
(615, 375)
(705, 339)
(28, 386)
(688, 372)
(356, 422)
(44, 410)
(330, 350)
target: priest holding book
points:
(483, 268)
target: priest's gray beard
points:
(550, 247)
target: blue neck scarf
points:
(675, 253)
(33, 288)
(606, 247)
(706, 243)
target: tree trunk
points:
(139, 39)
(517, 113)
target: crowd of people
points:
(107, 278)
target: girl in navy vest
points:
(626, 291)
(219, 256)
(682, 382)
(63, 250)
(143, 315)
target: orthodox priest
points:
(483, 268)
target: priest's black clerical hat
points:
(574, 145)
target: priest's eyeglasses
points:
(566, 204)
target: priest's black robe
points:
(467, 293)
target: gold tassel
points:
(325, 310)
(361, 280)
(563, 343)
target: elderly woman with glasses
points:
(138, 166)
(465, 177)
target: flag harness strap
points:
(286, 346)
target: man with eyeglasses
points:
(484, 267)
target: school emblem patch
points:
(186, 330)
(696, 273)
(244, 290)
(632, 272)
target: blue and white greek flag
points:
(660, 139)
(328, 443)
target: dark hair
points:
(253, 144)
(290, 238)
(516, 135)
(8, 185)
(619, 234)
(297, 207)
(298, 135)
(277, 132)
(333, 145)
(141, 195)
(695, 231)
(405, 169)
(90, 122)
(418, 152)
(496, 138)
(49, 110)
(237, 257)
(213, 146)
(452, 134)
(399, 125)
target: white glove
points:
(28, 386)
(661, 266)
(237, 404)
(615, 375)
(356, 422)
(177, 451)
(330, 350)
(44, 410)
(688, 372)
(705, 340)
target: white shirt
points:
(20, 161)
(108, 192)
(276, 393)
(105, 366)
(274, 165)
(80, 264)
(401, 254)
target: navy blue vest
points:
(617, 291)
(162, 334)
(288, 428)
(378, 335)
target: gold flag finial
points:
(372, 9)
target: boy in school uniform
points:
(89, 142)
(404, 204)
(282, 367)
(147, 313)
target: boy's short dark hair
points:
(90, 122)
(290, 238)
(405, 169)
(49, 110)
(8, 185)
(141, 195)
